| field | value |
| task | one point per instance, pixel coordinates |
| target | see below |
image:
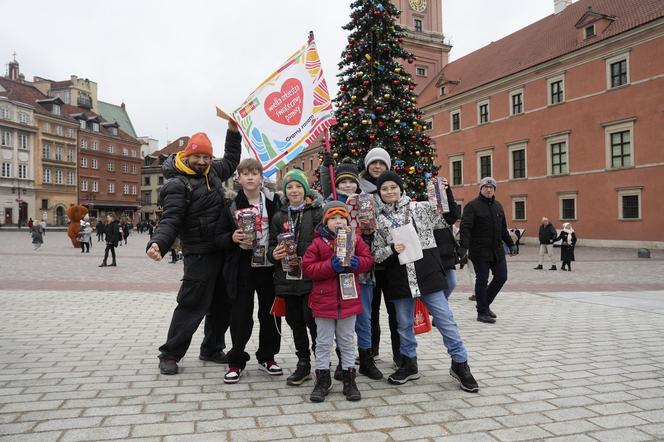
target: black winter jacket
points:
(113, 233)
(445, 241)
(311, 216)
(484, 229)
(547, 234)
(237, 261)
(191, 211)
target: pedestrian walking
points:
(112, 239)
(36, 235)
(568, 239)
(547, 236)
(85, 234)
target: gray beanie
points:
(380, 154)
(487, 181)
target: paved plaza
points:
(574, 356)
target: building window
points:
(589, 31)
(517, 161)
(22, 141)
(567, 206)
(146, 198)
(46, 127)
(58, 152)
(110, 166)
(56, 110)
(557, 154)
(125, 168)
(58, 176)
(125, 189)
(70, 154)
(110, 149)
(6, 138)
(44, 204)
(483, 112)
(46, 176)
(95, 186)
(456, 170)
(84, 144)
(428, 124)
(455, 120)
(617, 71)
(516, 102)
(95, 163)
(556, 89)
(46, 150)
(519, 208)
(82, 124)
(23, 171)
(134, 169)
(84, 162)
(111, 187)
(5, 113)
(95, 126)
(95, 146)
(125, 152)
(71, 176)
(484, 164)
(58, 130)
(417, 24)
(619, 145)
(133, 189)
(6, 170)
(629, 204)
(133, 153)
(84, 185)
(421, 71)
(146, 180)
(70, 133)
(441, 91)
(24, 118)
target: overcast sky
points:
(172, 61)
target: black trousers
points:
(85, 245)
(201, 295)
(261, 281)
(299, 318)
(391, 318)
(111, 248)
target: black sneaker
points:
(368, 366)
(539, 267)
(461, 372)
(486, 318)
(322, 387)
(553, 267)
(232, 376)
(301, 373)
(271, 368)
(218, 358)
(168, 366)
(407, 371)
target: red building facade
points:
(567, 114)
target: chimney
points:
(13, 70)
(560, 5)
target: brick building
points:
(567, 115)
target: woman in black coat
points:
(568, 237)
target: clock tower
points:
(423, 22)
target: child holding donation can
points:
(333, 261)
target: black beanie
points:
(346, 171)
(389, 176)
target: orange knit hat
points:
(199, 143)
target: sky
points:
(171, 62)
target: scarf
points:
(569, 232)
(181, 166)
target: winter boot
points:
(539, 267)
(553, 267)
(350, 387)
(368, 366)
(461, 372)
(302, 373)
(407, 371)
(103, 264)
(338, 372)
(322, 387)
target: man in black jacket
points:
(192, 200)
(483, 231)
(547, 235)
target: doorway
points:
(60, 216)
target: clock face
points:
(418, 5)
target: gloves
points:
(354, 264)
(513, 251)
(328, 159)
(336, 264)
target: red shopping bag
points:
(422, 323)
(278, 307)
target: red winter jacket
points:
(325, 298)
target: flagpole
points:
(326, 136)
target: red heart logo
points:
(285, 106)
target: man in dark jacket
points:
(483, 231)
(192, 200)
(547, 235)
(112, 230)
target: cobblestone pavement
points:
(574, 356)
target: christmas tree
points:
(376, 105)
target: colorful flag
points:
(287, 112)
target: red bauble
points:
(410, 61)
(395, 137)
(333, 140)
(349, 57)
(366, 82)
(395, 82)
(400, 39)
(413, 137)
(372, 137)
(379, 108)
(411, 87)
(381, 123)
(351, 41)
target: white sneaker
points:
(232, 376)
(271, 368)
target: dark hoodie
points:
(484, 229)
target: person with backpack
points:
(192, 200)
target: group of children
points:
(315, 255)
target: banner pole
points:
(327, 148)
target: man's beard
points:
(199, 169)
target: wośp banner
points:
(287, 112)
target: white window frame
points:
(614, 128)
(95, 186)
(95, 126)
(125, 189)
(513, 147)
(442, 91)
(133, 189)
(84, 162)
(46, 127)
(125, 152)
(82, 124)
(484, 102)
(95, 163)
(24, 118)
(84, 144)
(71, 178)
(5, 113)
(94, 145)
(134, 168)
(452, 113)
(59, 176)
(111, 187)
(23, 171)
(70, 154)
(125, 168)
(593, 29)
(84, 185)
(46, 150)
(70, 132)
(483, 153)
(549, 164)
(516, 199)
(425, 70)
(58, 130)
(23, 141)
(110, 148)
(59, 151)
(110, 167)
(568, 196)
(523, 102)
(616, 59)
(7, 138)
(633, 191)
(46, 176)
(549, 82)
(56, 109)
(451, 160)
(6, 170)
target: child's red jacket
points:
(325, 299)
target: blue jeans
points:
(484, 293)
(438, 307)
(363, 321)
(450, 274)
